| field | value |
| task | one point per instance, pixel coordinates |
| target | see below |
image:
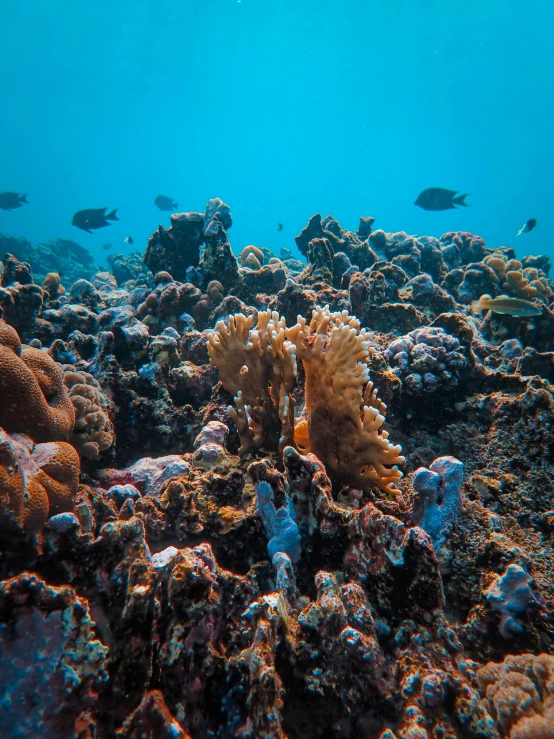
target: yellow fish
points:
(507, 306)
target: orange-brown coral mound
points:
(519, 692)
(33, 398)
(35, 481)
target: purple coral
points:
(439, 497)
(510, 594)
(427, 360)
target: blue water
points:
(349, 107)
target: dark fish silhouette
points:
(279, 227)
(165, 203)
(129, 240)
(527, 226)
(438, 198)
(12, 200)
(93, 218)
(106, 246)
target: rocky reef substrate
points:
(254, 495)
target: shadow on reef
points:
(204, 528)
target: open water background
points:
(285, 108)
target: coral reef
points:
(428, 360)
(48, 649)
(519, 695)
(343, 416)
(258, 367)
(204, 527)
(36, 481)
(34, 398)
(93, 431)
(438, 497)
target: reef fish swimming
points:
(279, 227)
(527, 226)
(92, 218)
(12, 200)
(438, 198)
(507, 306)
(129, 240)
(165, 203)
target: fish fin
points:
(460, 199)
(23, 198)
(112, 216)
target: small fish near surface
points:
(279, 227)
(165, 203)
(92, 218)
(527, 226)
(129, 240)
(438, 198)
(507, 306)
(12, 200)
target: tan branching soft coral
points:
(258, 367)
(93, 432)
(33, 398)
(343, 416)
(36, 482)
(520, 695)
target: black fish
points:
(165, 203)
(129, 240)
(527, 226)
(438, 198)
(12, 200)
(279, 227)
(93, 218)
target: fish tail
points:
(519, 232)
(460, 199)
(23, 198)
(112, 216)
